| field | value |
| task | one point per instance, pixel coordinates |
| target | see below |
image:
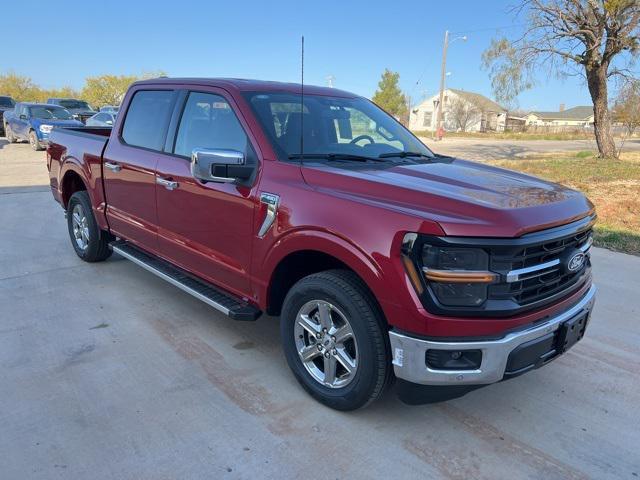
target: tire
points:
(9, 134)
(90, 243)
(349, 303)
(34, 142)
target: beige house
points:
(581, 116)
(467, 111)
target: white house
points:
(463, 110)
(581, 116)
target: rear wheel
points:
(90, 243)
(334, 339)
(34, 141)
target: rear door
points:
(207, 228)
(129, 165)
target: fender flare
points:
(329, 244)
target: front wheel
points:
(334, 339)
(34, 141)
(90, 243)
(9, 134)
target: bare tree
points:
(463, 113)
(597, 39)
(626, 109)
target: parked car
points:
(6, 103)
(80, 109)
(102, 119)
(382, 258)
(34, 121)
(110, 109)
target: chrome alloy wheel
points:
(326, 344)
(80, 227)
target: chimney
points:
(562, 107)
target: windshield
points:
(7, 102)
(332, 126)
(50, 112)
(75, 104)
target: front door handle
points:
(114, 167)
(168, 184)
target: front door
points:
(206, 228)
(129, 167)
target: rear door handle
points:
(114, 167)
(168, 184)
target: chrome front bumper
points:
(409, 353)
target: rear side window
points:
(147, 119)
(208, 121)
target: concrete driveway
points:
(107, 372)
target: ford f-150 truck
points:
(384, 261)
(34, 121)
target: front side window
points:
(208, 121)
(331, 125)
(147, 118)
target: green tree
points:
(597, 39)
(389, 96)
(106, 89)
(19, 87)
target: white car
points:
(102, 119)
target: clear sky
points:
(61, 43)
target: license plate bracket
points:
(572, 331)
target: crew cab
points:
(6, 103)
(80, 109)
(33, 122)
(384, 260)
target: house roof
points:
(482, 102)
(581, 112)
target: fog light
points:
(454, 359)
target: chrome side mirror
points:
(218, 165)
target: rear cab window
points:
(147, 119)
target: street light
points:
(444, 74)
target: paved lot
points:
(491, 149)
(107, 372)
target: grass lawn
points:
(613, 186)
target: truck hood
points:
(56, 123)
(465, 198)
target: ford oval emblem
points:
(576, 261)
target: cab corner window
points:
(208, 121)
(147, 118)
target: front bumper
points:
(409, 353)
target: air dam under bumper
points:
(409, 353)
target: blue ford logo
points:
(575, 261)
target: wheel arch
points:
(71, 183)
(306, 253)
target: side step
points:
(222, 301)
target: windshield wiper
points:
(404, 155)
(335, 156)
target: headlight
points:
(458, 277)
(46, 128)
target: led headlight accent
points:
(458, 277)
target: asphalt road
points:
(107, 372)
(492, 149)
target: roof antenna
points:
(302, 102)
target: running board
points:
(224, 302)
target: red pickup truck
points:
(384, 261)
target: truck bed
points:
(83, 146)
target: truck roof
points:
(247, 85)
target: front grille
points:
(550, 279)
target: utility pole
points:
(443, 74)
